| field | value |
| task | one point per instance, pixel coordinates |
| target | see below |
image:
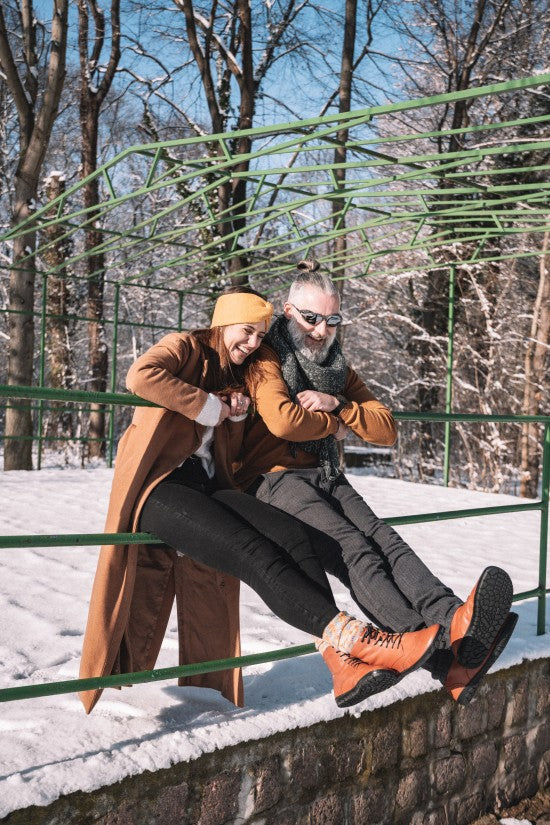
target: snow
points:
(511, 821)
(44, 595)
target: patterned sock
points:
(343, 631)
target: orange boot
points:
(476, 624)
(354, 680)
(461, 682)
(398, 652)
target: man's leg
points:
(299, 493)
(433, 600)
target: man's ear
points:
(287, 309)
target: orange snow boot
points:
(461, 682)
(476, 624)
(398, 652)
(354, 680)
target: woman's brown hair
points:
(223, 375)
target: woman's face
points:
(242, 340)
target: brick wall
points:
(422, 761)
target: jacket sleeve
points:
(155, 376)
(365, 415)
(282, 416)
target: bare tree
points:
(459, 45)
(536, 357)
(95, 83)
(36, 110)
(58, 327)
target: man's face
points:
(313, 341)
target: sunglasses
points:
(315, 318)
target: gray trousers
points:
(384, 575)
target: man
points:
(307, 398)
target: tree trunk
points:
(35, 127)
(91, 99)
(98, 362)
(535, 375)
(340, 153)
(59, 420)
(19, 425)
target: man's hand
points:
(342, 431)
(317, 401)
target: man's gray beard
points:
(299, 339)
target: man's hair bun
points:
(308, 265)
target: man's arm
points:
(283, 417)
(357, 408)
(365, 415)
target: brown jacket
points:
(135, 585)
(278, 420)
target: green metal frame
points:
(430, 199)
(442, 209)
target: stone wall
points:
(422, 761)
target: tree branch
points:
(22, 103)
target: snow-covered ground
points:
(49, 747)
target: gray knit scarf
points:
(300, 373)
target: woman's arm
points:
(159, 376)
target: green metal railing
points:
(68, 540)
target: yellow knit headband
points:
(241, 308)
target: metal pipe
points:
(114, 347)
(121, 679)
(449, 387)
(543, 551)
(42, 368)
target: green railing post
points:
(42, 368)
(114, 347)
(180, 309)
(543, 553)
(449, 387)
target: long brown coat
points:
(135, 585)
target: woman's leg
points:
(196, 524)
(203, 529)
(299, 540)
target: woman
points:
(173, 479)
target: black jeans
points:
(386, 578)
(236, 534)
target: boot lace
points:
(373, 635)
(350, 660)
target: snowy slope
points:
(43, 604)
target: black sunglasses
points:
(315, 318)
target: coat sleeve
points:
(365, 415)
(282, 416)
(155, 376)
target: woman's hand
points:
(317, 401)
(225, 411)
(238, 403)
